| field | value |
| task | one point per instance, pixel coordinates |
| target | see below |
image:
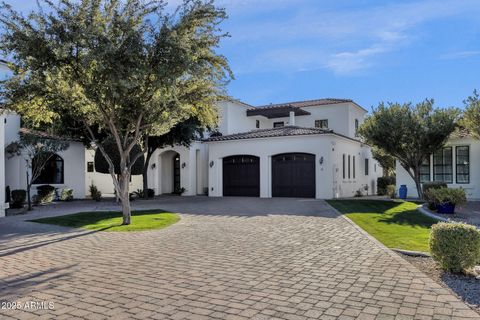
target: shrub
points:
(455, 246)
(179, 191)
(45, 193)
(382, 183)
(447, 195)
(140, 194)
(426, 186)
(391, 191)
(18, 198)
(150, 193)
(66, 195)
(358, 193)
(95, 193)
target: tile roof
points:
(269, 133)
(308, 103)
(45, 135)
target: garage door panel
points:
(293, 175)
(241, 176)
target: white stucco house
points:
(451, 164)
(297, 149)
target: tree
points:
(123, 68)
(386, 161)
(471, 115)
(409, 133)
(183, 133)
(36, 150)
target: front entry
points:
(241, 176)
(176, 174)
(293, 175)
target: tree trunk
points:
(125, 198)
(418, 184)
(145, 175)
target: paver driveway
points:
(231, 258)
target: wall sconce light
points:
(153, 166)
(211, 164)
(320, 160)
(184, 165)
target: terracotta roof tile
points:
(269, 133)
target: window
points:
(366, 167)
(375, 168)
(322, 124)
(442, 165)
(344, 166)
(356, 127)
(425, 170)
(348, 166)
(90, 166)
(52, 172)
(353, 164)
(462, 160)
(278, 124)
(257, 124)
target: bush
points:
(391, 191)
(455, 246)
(18, 198)
(45, 193)
(140, 194)
(382, 183)
(95, 193)
(426, 186)
(66, 195)
(447, 195)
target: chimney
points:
(291, 122)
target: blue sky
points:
(369, 51)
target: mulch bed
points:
(466, 287)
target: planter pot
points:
(448, 208)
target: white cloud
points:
(460, 55)
(343, 41)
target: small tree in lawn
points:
(386, 160)
(125, 68)
(36, 151)
(471, 115)
(409, 133)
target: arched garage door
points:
(293, 175)
(241, 176)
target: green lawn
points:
(112, 220)
(395, 224)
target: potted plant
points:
(446, 199)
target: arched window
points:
(52, 172)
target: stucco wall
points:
(104, 181)
(328, 182)
(193, 169)
(74, 169)
(472, 189)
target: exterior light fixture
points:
(211, 164)
(184, 165)
(153, 166)
(320, 160)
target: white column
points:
(291, 121)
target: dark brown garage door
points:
(293, 175)
(241, 176)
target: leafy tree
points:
(386, 161)
(471, 115)
(126, 69)
(182, 133)
(36, 150)
(409, 133)
(110, 147)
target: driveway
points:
(228, 258)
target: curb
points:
(430, 214)
(412, 253)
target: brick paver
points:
(229, 258)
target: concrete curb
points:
(412, 253)
(428, 213)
